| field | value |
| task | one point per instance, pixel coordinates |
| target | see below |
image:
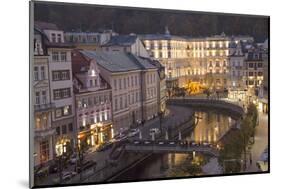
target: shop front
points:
(64, 146)
(96, 135)
(263, 105)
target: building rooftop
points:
(121, 40)
(161, 37)
(45, 25)
(118, 61)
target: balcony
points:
(43, 107)
(44, 132)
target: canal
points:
(211, 127)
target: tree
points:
(236, 144)
(253, 113)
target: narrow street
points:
(261, 142)
(173, 117)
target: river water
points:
(211, 127)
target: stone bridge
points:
(149, 146)
(234, 109)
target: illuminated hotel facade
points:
(202, 61)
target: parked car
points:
(104, 146)
(172, 143)
(147, 142)
(42, 172)
(73, 159)
(86, 165)
(133, 132)
(53, 168)
(68, 175)
(154, 130)
(90, 150)
(89, 164)
(194, 144)
(120, 137)
(161, 142)
(136, 142)
(206, 144)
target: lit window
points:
(66, 110)
(93, 73)
(44, 151)
(220, 44)
(84, 121)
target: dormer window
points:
(38, 49)
(59, 38)
(53, 37)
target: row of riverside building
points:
(91, 86)
(83, 97)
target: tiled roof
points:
(121, 40)
(79, 63)
(118, 61)
(161, 37)
(45, 25)
(59, 45)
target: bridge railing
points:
(172, 146)
(207, 102)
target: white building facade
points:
(61, 89)
(134, 87)
(43, 107)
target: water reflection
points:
(210, 128)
